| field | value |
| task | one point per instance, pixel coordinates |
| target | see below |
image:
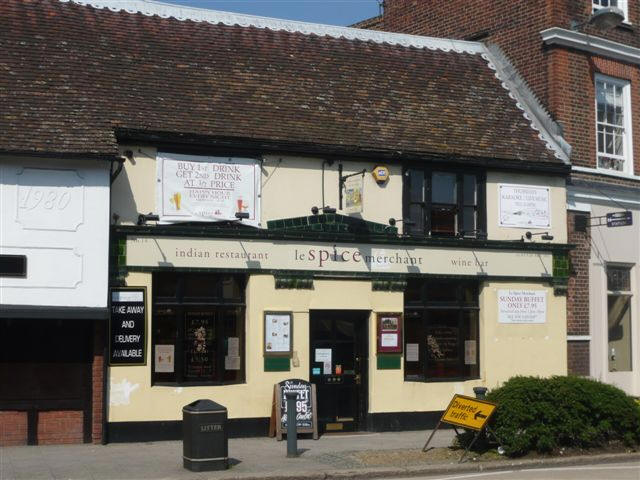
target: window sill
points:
(605, 172)
(196, 384)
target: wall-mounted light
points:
(603, 19)
(407, 221)
(149, 217)
(543, 236)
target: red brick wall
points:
(13, 428)
(57, 427)
(97, 382)
(578, 294)
(578, 358)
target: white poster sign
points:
(353, 191)
(195, 188)
(412, 354)
(165, 358)
(470, 352)
(524, 206)
(277, 332)
(522, 306)
(389, 340)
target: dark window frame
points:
(427, 205)
(18, 273)
(182, 304)
(425, 305)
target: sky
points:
(332, 12)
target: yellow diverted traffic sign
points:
(468, 412)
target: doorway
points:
(339, 366)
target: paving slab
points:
(342, 456)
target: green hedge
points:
(546, 414)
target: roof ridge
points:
(182, 13)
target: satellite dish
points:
(607, 18)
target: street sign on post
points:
(619, 219)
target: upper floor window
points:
(613, 122)
(443, 203)
(621, 4)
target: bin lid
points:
(204, 405)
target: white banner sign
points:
(523, 206)
(522, 306)
(317, 256)
(207, 189)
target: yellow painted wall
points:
(290, 187)
(505, 350)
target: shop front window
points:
(198, 328)
(619, 316)
(441, 330)
(440, 203)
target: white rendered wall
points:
(56, 212)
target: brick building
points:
(588, 78)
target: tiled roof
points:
(71, 75)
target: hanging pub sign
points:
(306, 413)
(198, 188)
(389, 332)
(354, 189)
(127, 326)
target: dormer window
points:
(613, 122)
(621, 4)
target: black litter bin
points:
(205, 444)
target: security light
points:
(603, 19)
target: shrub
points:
(545, 414)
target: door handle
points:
(357, 379)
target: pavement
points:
(335, 456)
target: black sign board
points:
(306, 417)
(127, 326)
(619, 219)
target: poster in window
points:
(470, 352)
(389, 333)
(278, 330)
(443, 343)
(198, 188)
(164, 358)
(199, 348)
(524, 206)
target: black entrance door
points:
(339, 368)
